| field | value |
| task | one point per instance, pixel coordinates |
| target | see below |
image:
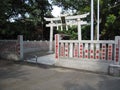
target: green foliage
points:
(73, 32)
(85, 32)
(28, 16)
(110, 19)
(109, 14)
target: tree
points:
(109, 11)
(24, 17)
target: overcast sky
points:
(56, 11)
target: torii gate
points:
(76, 20)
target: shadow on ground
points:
(75, 86)
(10, 69)
(38, 54)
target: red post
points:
(76, 50)
(62, 50)
(103, 52)
(66, 50)
(97, 52)
(91, 51)
(110, 51)
(81, 50)
(86, 51)
(57, 46)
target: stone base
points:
(50, 52)
(114, 70)
(98, 66)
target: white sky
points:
(56, 11)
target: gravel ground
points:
(21, 76)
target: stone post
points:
(57, 46)
(51, 38)
(79, 30)
(20, 47)
(117, 50)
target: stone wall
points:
(8, 49)
(32, 46)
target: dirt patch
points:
(4, 62)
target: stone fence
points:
(15, 49)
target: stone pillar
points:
(79, 30)
(117, 50)
(20, 47)
(71, 50)
(62, 49)
(91, 51)
(57, 46)
(81, 50)
(97, 55)
(76, 48)
(103, 54)
(86, 51)
(51, 39)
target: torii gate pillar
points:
(51, 39)
(79, 30)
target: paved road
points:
(31, 77)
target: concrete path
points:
(89, 65)
(47, 59)
(37, 77)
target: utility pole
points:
(92, 19)
(98, 16)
